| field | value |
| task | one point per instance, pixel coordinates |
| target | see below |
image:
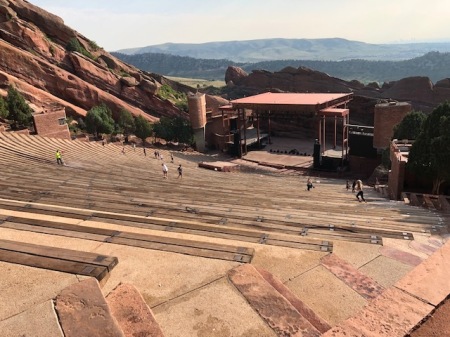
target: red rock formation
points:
(419, 91)
(33, 56)
(234, 75)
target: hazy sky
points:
(118, 24)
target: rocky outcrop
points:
(34, 58)
(418, 88)
(234, 75)
(419, 91)
(288, 79)
(215, 102)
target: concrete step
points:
(276, 307)
(403, 307)
(83, 311)
(132, 313)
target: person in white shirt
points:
(165, 170)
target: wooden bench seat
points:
(57, 259)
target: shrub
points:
(75, 45)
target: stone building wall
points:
(52, 124)
(386, 117)
(397, 173)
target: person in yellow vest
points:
(59, 160)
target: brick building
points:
(52, 123)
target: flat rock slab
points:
(436, 325)
(400, 255)
(430, 280)
(132, 313)
(393, 314)
(320, 324)
(273, 307)
(426, 249)
(83, 311)
(362, 284)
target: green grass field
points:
(193, 82)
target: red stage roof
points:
(290, 98)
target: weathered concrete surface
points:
(83, 311)
(38, 321)
(329, 297)
(213, 310)
(279, 314)
(401, 255)
(286, 264)
(320, 324)
(392, 314)
(22, 287)
(424, 248)
(362, 284)
(430, 280)
(161, 276)
(355, 253)
(132, 313)
(386, 271)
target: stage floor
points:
(277, 153)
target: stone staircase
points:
(427, 201)
(83, 311)
(212, 254)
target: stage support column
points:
(335, 132)
(257, 129)
(244, 120)
(270, 141)
(324, 134)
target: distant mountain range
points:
(435, 65)
(333, 49)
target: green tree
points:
(19, 111)
(430, 153)
(183, 132)
(410, 126)
(99, 120)
(126, 122)
(3, 108)
(75, 45)
(143, 128)
(175, 129)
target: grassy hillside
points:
(198, 82)
(434, 65)
(334, 49)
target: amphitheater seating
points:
(100, 186)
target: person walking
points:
(58, 156)
(353, 186)
(165, 170)
(180, 172)
(171, 157)
(347, 185)
(359, 188)
(309, 184)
